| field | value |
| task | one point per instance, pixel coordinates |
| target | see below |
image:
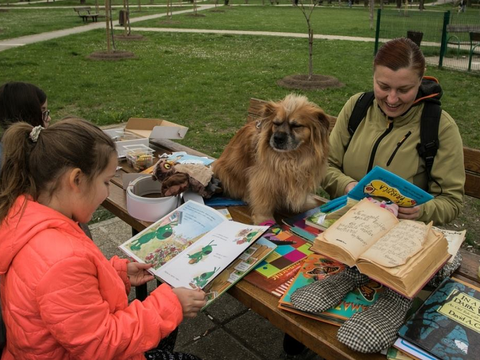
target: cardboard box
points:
(138, 131)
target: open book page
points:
(360, 228)
(170, 235)
(455, 240)
(399, 244)
(200, 263)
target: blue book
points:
(382, 184)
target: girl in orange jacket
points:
(61, 298)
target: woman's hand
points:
(350, 186)
(137, 273)
(409, 213)
(192, 300)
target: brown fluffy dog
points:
(277, 162)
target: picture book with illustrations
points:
(447, 325)
(298, 225)
(322, 220)
(382, 184)
(290, 249)
(278, 283)
(402, 255)
(317, 267)
(238, 269)
(191, 246)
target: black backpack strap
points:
(359, 111)
(429, 143)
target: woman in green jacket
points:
(390, 132)
(388, 137)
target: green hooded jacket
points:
(397, 152)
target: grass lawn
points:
(205, 81)
(332, 21)
(20, 22)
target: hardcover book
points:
(447, 325)
(317, 267)
(402, 255)
(192, 245)
(384, 185)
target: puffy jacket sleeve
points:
(120, 265)
(72, 305)
(335, 180)
(448, 171)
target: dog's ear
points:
(268, 109)
(325, 119)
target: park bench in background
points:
(474, 43)
(85, 13)
(453, 37)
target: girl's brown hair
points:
(33, 167)
(401, 53)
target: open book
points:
(402, 255)
(192, 245)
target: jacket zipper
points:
(398, 147)
(374, 151)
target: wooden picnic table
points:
(318, 336)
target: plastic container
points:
(140, 157)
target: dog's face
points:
(294, 122)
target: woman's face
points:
(395, 91)
(46, 114)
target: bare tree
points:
(307, 13)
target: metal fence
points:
(444, 37)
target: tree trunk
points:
(399, 4)
(421, 5)
(370, 12)
(310, 52)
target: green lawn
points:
(20, 22)
(205, 81)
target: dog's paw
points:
(259, 219)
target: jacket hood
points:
(430, 90)
(24, 221)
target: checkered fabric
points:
(376, 328)
(324, 294)
(446, 271)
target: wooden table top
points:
(318, 336)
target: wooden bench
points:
(85, 14)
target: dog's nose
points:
(280, 138)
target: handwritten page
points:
(360, 227)
(398, 245)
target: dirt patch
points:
(217, 11)
(317, 82)
(111, 56)
(129, 37)
(193, 14)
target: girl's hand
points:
(137, 273)
(409, 213)
(192, 300)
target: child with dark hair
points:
(21, 101)
(60, 297)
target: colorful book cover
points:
(277, 284)
(383, 185)
(291, 249)
(317, 267)
(238, 269)
(447, 325)
(299, 226)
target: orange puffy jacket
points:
(62, 299)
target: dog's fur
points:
(278, 162)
